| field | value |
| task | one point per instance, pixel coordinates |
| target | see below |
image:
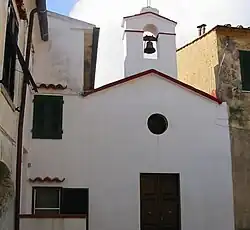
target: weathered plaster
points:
(61, 59)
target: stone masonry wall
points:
(229, 90)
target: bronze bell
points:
(149, 48)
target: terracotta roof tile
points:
(52, 86)
(47, 179)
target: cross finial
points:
(148, 3)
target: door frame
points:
(179, 188)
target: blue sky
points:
(61, 6)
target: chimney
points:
(201, 29)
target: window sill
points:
(56, 216)
(46, 138)
(7, 97)
(245, 91)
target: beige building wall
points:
(197, 62)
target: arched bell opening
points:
(150, 48)
(6, 188)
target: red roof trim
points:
(47, 179)
(141, 31)
(134, 31)
(218, 27)
(158, 15)
(164, 33)
(133, 77)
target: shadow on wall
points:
(6, 188)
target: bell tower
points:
(149, 42)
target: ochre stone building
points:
(218, 62)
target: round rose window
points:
(157, 124)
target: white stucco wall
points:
(61, 59)
(166, 45)
(52, 224)
(106, 145)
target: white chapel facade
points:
(142, 153)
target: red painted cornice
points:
(158, 15)
(139, 75)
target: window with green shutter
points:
(245, 69)
(47, 117)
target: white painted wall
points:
(61, 59)
(58, 61)
(106, 145)
(52, 224)
(166, 46)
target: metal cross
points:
(148, 3)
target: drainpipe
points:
(20, 125)
(43, 19)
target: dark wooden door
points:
(160, 202)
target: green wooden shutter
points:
(48, 114)
(74, 201)
(245, 69)
(38, 117)
(56, 115)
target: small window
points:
(245, 69)
(46, 200)
(9, 64)
(52, 200)
(157, 123)
(47, 117)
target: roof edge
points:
(70, 19)
(217, 27)
(140, 14)
(141, 74)
(197, 39)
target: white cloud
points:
(107, 14)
